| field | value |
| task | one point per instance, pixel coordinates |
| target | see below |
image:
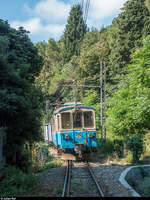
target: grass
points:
(16, 183)
(79, 186)
(59, 189)
(51, 164)
(106, 151)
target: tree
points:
(127, 31)
(20, 105)
(73, 34)
(147, 3)
(50, 53)
(94, 49)
(129, 110)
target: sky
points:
(47, 18)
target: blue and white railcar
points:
(74, 129)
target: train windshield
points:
(77, 116)
(77, 120)
(88, 119)
(66, 120)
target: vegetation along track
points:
(80, 181)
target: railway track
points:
(80, 181)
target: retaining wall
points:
(2, 141)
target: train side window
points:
(77, 120)
(88, 119)
(66, 120)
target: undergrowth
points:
(51, 164)
(16, 183)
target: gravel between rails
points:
(52, 180)
(82, 184)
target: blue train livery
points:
(73, 129)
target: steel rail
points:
(67, 182)
(94, 178)
(69, 178)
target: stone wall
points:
(2, 141)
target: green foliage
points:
(24, 159)
(118, 147)
(129, 111)
(129, 158)
(129, 107)
(147, 145)
(126, 34)
(51, 164)
(50, 53)
(94, 49)
(40, 155)
(77, 56)
(147, 3)
(42, 159)
(107, 148)
(135, 145)
(21, 101)
(73, 34)
(16, 183)
(91, 98)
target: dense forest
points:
(124, 46)
(31, 73)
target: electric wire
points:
(86, 10)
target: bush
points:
(136, 146)
(118, 147)
(108, 147)
(129, 107)
(40, 155)
(16, 183)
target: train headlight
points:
(67, 137)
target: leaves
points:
(20, 105)
(129, 111)
(73, 34)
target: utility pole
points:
(46, 109)
(75, 91)
(103, 100)
(102, 88)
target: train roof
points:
(62, 109)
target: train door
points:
(79, 133)
(67, 135)
(89, 126)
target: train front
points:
(77, 132)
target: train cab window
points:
(77, 120)
(66, 120)
(88, 119)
